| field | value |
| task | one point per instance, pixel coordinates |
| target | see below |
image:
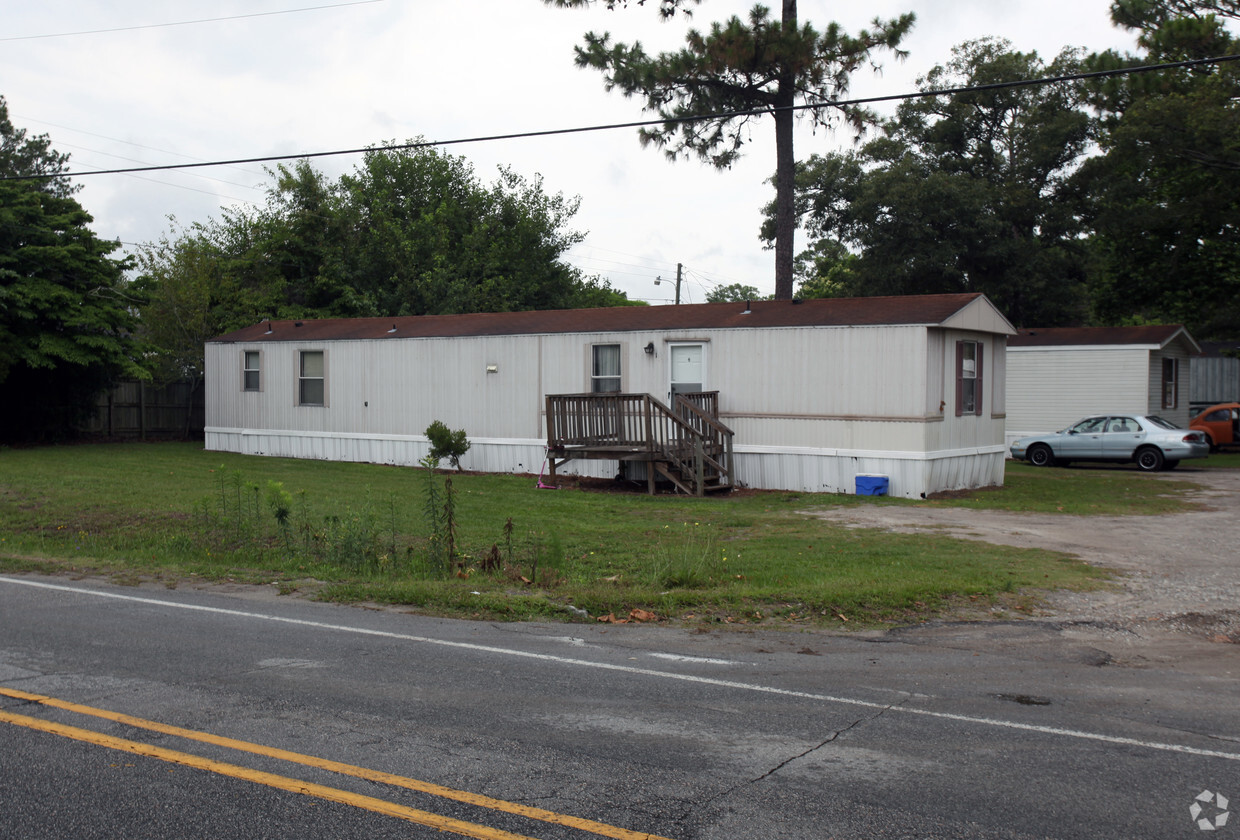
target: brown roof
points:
(1157, 334)
(870, 311)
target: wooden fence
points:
(134, 409)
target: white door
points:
(688, 369)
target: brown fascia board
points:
(871, 311)
(1156, 334)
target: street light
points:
(659, 280)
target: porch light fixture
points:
(492, 368)
(649, 348)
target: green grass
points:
(357, 532)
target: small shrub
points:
(446, 443)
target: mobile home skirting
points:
(911, 474)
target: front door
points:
(688, 369)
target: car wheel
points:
(1170, 464)
(1213, 445)
(1040, 455)
(1149, 459)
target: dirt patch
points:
(1178, 575)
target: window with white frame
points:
(968, 377)
(310, 378)
(251, 365)
(1170, 383)
(605, 368)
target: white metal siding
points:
(1050, 388)
(811, 406)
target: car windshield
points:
(1166, 424)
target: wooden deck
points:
(686, 443)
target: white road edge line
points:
(700, 660)
(649, 672)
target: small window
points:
(1092, 426)
(1124, 425)
(1170, 383)
(252, 378)
(968, 378)
(605, 368)
(310, 388)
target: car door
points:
(1084, 440)
(1122, 437)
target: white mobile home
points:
(815, 392)
(1056, 376)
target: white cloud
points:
(354, 76)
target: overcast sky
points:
(360, 73)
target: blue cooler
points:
(871, 485)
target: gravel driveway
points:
(1178, 583)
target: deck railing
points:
(696, 447)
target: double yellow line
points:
(273, 780)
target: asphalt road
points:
(645, 730)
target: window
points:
(605, 368)
(310, 388)
(251, 371)
(1124, 425)
(968, 377)
(1170, 383)
(1092, 426)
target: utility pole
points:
(679, 269)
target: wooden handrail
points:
(689, 438)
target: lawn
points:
(172, 512)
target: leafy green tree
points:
(431, 239)
(962, 192)
(192, 286)
(1165, 195)
(25, 155)
(827, 269)
(708, 93)
(65, 317)
(408, 232)
(733, 292)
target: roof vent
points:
(392, 330)
(748, 310)
(297, 323)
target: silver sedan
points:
(1152, 442)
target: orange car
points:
(1220, 424)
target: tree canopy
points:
(409, 231)
(708, 93)
(65, 318)
(1164, 197)
(961, 192)
(733, 292)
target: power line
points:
(25, 119)
(423, 144)
(135, 160)
(186, 22)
